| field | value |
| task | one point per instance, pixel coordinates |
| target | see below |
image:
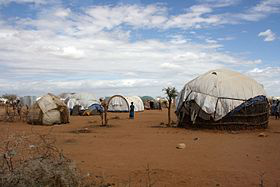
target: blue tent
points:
(96, 108)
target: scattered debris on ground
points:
(262, 134)
(181, 146)
(81, 130)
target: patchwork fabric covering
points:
(82, 99)
(48, 110)
(221, 93)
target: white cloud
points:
(62, 12)
(133, 15)
(97, 18)
(63, 50)
(220, 3)
(259, 11)
(269, 77)
(35, 56)
(170, 66)
(194, 18)
(203, 15)
(99, 87)
(267, 35)
(37, 2)
(211, 41)
(71, 52)
(227, 38)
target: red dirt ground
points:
(138, 151)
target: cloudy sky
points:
(134, 47)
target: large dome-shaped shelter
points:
(119, 103)
(222, 99)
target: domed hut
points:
(149, 102)
(79, 102)
(222, 99)
(48, 110)
(119, 103)
(162, 101)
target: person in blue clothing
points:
(277, 110)
(131, 111)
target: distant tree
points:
(171, 93)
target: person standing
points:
(103, 113)
(131, 111)
(277, 113)
(159, 105)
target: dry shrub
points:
(13, 113)
(35, 161)
(8, 113)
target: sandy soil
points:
(138, 151)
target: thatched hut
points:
(48, 110)
(222, 99)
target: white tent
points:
(274, 98)
(218, 92)
(3, 100)
(28, 100)
(118, 103)
(63, 96)
(83, 99)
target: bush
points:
(35, 161)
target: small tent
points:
(64, 96)
(222, 98)
(118, 103)
(48, 110)
(3, 100)
(94, 109)
(163, 101)
(81, 101)
(273, 100)
(149, 102)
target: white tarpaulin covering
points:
(137, 102)
(46, 103)
(83, 99)
(3, 100)
(121, 103)
(274, 98)
(218, 92)
(51, 117)
(28, 100)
